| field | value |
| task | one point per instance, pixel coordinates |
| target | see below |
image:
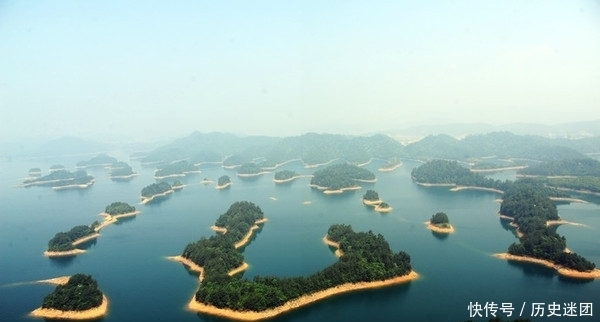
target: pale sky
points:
(146, 68)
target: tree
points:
(439, 218)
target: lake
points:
(128, 259)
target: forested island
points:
(61, 179)
(539, 243)
(285, 176)
(119, 208)
(177, 185)
(371, 198)
(367, 262)
(440, 223)
(35, 172)
(101, 160)
(223, 182)
(340, 177)
(176, 169)
(121, 171)
(57, 167)
(250, 169)
(155, 190)
(63, 243)
(77, 299)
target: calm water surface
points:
(128, 260)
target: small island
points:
(383, 207)
(223, 182)
(77, 299)
(439, 223)
(155, 191)
(206, 181)
(341, 177)
(371, 198)
(63, 243)
(538, 243)
(101, 160)
(250, 169)
(176, 169)
(61, 179)
(35, 172)
(177, 185)
(121, 171)
(285, 176)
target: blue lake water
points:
(128, 260)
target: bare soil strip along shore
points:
(308, 166)
(238, 269)
(390, 169)
(567, 199)
(67, 253)
(246, 238)
(84, 239)
(304, 300)
(593, 274)
(292, 178)
(338, 252)
(459, 188)
(425, 184)
(437, 229)
(61, 280)
(499, 169)
(93, 313)
(190, 265)
(378, 208)
(219, 187)
(249, 175)
(372, 203)
(111, 219)
(146, 200)
(217, 229)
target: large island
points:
(61, 179)
(366, 262)
(340, 177)
(77, 299)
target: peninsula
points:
(78, 298)
(439, 223)
(266, 297)
(155, 191)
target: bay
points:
(128, 260)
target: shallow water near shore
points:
(128, 259)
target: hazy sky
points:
(290, 67)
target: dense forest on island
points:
(118, 207)
(530, 210)
(249, 168)
(60, 178)
(451, 172)
(371, 195)
(285, 174)
(180, 168)
(63, 241)
(155, 189)
(98, 161)
(367, 257)
(120, 169)
(78, 294)
(341, 175)
(440, 219)
(223, 180)
(56, 167)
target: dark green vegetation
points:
(451, 172)
(223, 180)
(63, 241)
(120, 169)
(179, 168)
(565, 167)
(155, 189)
(367, 257)
(285, 174)
(440, 218)
(60, 178)
(217, 254)
(35, 172)
(249, 168)
(383, 205)
(100, 160)
(78, 294)
(118, 207)
(340, 176)
(530, 210)
(371, 195)
(177, 185)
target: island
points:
(340, 177)
(101, 160)
(177, 185)
(121, 171)
(35, 172)
(57, 167)
(176, 169)
(113, 212)
(538, 243)
(250, 169)
(366, 261)
(223, 182)
(390, 166)
(77, 299)
(63, 243)
(206, 181)
(371, 198)
(155, 191)
(383, 207)
(61, 179)
(285, 176)
(439, 223)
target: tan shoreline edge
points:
(372, 203)
(304, 300)
(338, 252)
(146, 200)
(249, 175)
(93, 313)
(499, 169)
(218, 187)
(378, 208)
(191, 265)
(437, 229)
(292, 178)
(327, 191)
(125, 176)
(79, 186)
(559, 269)
(459, 188)
(391, 168)
(308, 166)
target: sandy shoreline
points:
(372, 202)
(93, 313)
(190, 265)
(238, 269)
(390, 168)
(247, 237)
(425, 184)
(111, 219)
(459, 188)
(217, 229)
(338, 252)
(61, 280)
(129, 176)
(219, 187)
(441, 230)
(175, 175)
(146, 200)
(291, 179)
(500, 169)
(378, 208)
(71, 186)
(304, 300)
(308, 166)
(366, 181)
(559, 269)
(67, 253)
(567, 199)
(328, 191)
